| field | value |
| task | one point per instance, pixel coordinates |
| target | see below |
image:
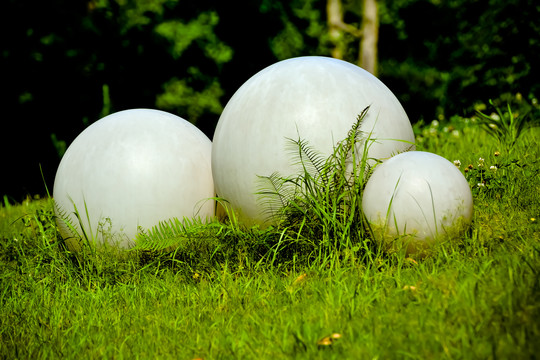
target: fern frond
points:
(322, 201)
(165, 235)
(311, 161)
(68, 226)
(348, 151)
(275, 193)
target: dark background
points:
(65, 64)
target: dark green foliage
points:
(445, 57)
(65, 64)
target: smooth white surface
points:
(316, 98)
(422, 193)
(136, 167)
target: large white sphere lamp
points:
(315, 98)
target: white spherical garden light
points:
(315, 98)
(417, 198)
(133, 169)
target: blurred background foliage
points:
(65, 64)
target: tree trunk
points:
(368, 34)
(334, 14)
(336, 26)
(370, 37)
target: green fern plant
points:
(174, 234)
(195, 244)
(187, 242)
(322, 205)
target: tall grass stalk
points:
(507, 127)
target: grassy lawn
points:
(476, 298)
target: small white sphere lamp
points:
(416, 199)
(133, 169)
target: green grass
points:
(248, 294)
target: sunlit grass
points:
(238, 294)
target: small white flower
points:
(480, 184)
(457, 163)
(480, 162)
(434, 123)
(495, 116)
(455, 133)
(493, 167)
